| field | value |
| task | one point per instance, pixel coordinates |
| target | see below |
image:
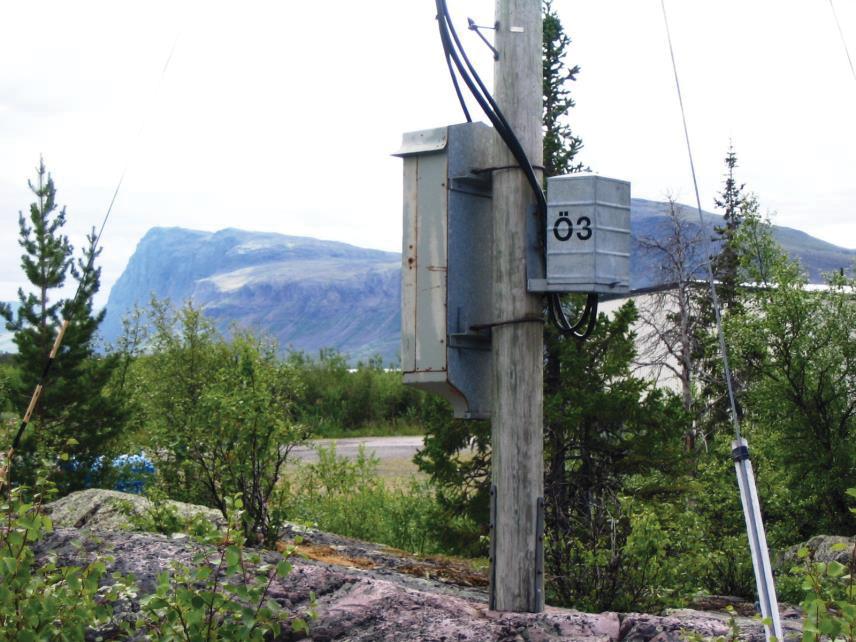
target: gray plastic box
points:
(588, 235)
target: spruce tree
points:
(74, 403)
(737, 205)
(734, 203)
(561, 145)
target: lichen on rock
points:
(375, 600)
(107, 510)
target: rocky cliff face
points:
(312, 294)
(306, 293)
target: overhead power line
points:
(843, 39)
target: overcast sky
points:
(281, 116)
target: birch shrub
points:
(219, 415)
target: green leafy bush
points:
(223, 595)
(829, 601)
(219, 415)
(797, 348)
(42, 600)
(828, 594)
(640, 557)
(337, 400)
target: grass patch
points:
(350, 497)
(399, 473)
(396, 429)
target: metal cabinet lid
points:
(423, 142)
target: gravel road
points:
(382, 447)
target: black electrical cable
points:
(454, 50)
(454, 78)
(588, 318)
(495, 115)
(489, 106)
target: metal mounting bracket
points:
(492, 587)
(539, 556)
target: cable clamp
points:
(740, 453)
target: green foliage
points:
(799, 351)
(713, 496)
(77, 400)
(604, 427)
(161, 516)
(338, 401)
(219, 415)
(10, 381)
(561, 145)
(608, 435)
(347, 497)
(456, 457)
(223, 595)
(829, 601)
(43, 600)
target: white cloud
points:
(281, 116)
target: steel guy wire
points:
(843, 39)
(729, 382)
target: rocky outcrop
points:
(357, 605)
(366, 592)
(822, 548)
(107, 510)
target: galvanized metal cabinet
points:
(588, 235)
(446, 265)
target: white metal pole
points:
(757, 539)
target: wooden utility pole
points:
(517, 575)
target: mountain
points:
(308, 294)
(648, 219)
(313, 294)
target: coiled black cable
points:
(455, 53)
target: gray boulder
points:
(822, 549)
(107, 510)
(356, 606)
